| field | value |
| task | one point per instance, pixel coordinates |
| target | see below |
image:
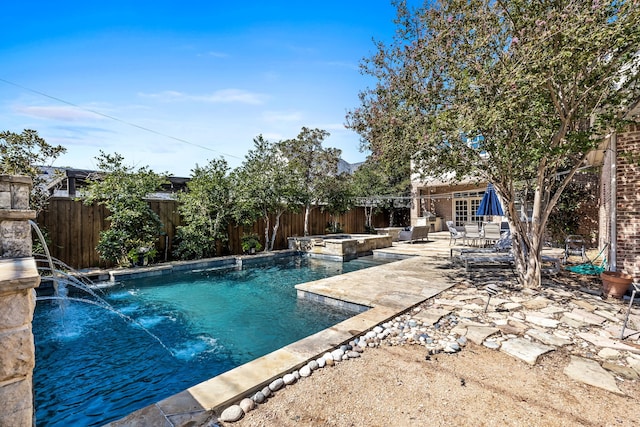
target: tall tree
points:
(23, 154)
(338, 198)
(369, 184)
(511, 92)
(206, 208)
(310, 163)
(263, 186)
(380, 181)
(134, 227)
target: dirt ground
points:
(400, 386)
(403, 386)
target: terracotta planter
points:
(615, 284)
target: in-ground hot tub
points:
(339, 247)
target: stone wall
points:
(18, 278)
(628, 201)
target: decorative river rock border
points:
(404, 329)
(522, 323)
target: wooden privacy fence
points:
(73, 229)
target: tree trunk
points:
(307, 211)
(533, 274)
(391, 217)
(214, 232)
(266, 233)
(527, 256)
(275, 231)
(368, 212)
(527, 242)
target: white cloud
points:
(166, 96)
(234, 95)
(223, 96)
(67, 114)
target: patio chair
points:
(413, 233)
(454, 234)
(505, 242)
(491, 232)
(574, 245)
(472, 233)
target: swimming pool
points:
(93, 367)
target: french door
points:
(465, 206)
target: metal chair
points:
(636, 289)
(472, 233)
(574, 245)
(491, 233)
(454, 234)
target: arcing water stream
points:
(66, 276)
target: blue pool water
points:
(93, 367)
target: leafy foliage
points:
(134, 226)
(378, 181)
(264, 185)
(250, 241)
(22, 154)
(508, 92)
(206, 208)
(338, 192)
(369, 185)
(566, 216)
(309, 164)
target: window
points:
(465, 207)
(461, 212)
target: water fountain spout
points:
(35, 228)
(61, 279)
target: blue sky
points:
(213, 73)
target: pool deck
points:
(388, 289)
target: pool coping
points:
(388, 290)
(230, 261)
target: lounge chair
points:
(413, 233)
(499, 254)
(485, 257)
(454, 234)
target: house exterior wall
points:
(628, 201)
(437, 199)
(604, 211)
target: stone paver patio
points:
(525, 324)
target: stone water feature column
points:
(18, 280)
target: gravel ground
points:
(401, 385)
(398, 386)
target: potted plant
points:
(615, 284)
(141, 256)
(250, 243)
